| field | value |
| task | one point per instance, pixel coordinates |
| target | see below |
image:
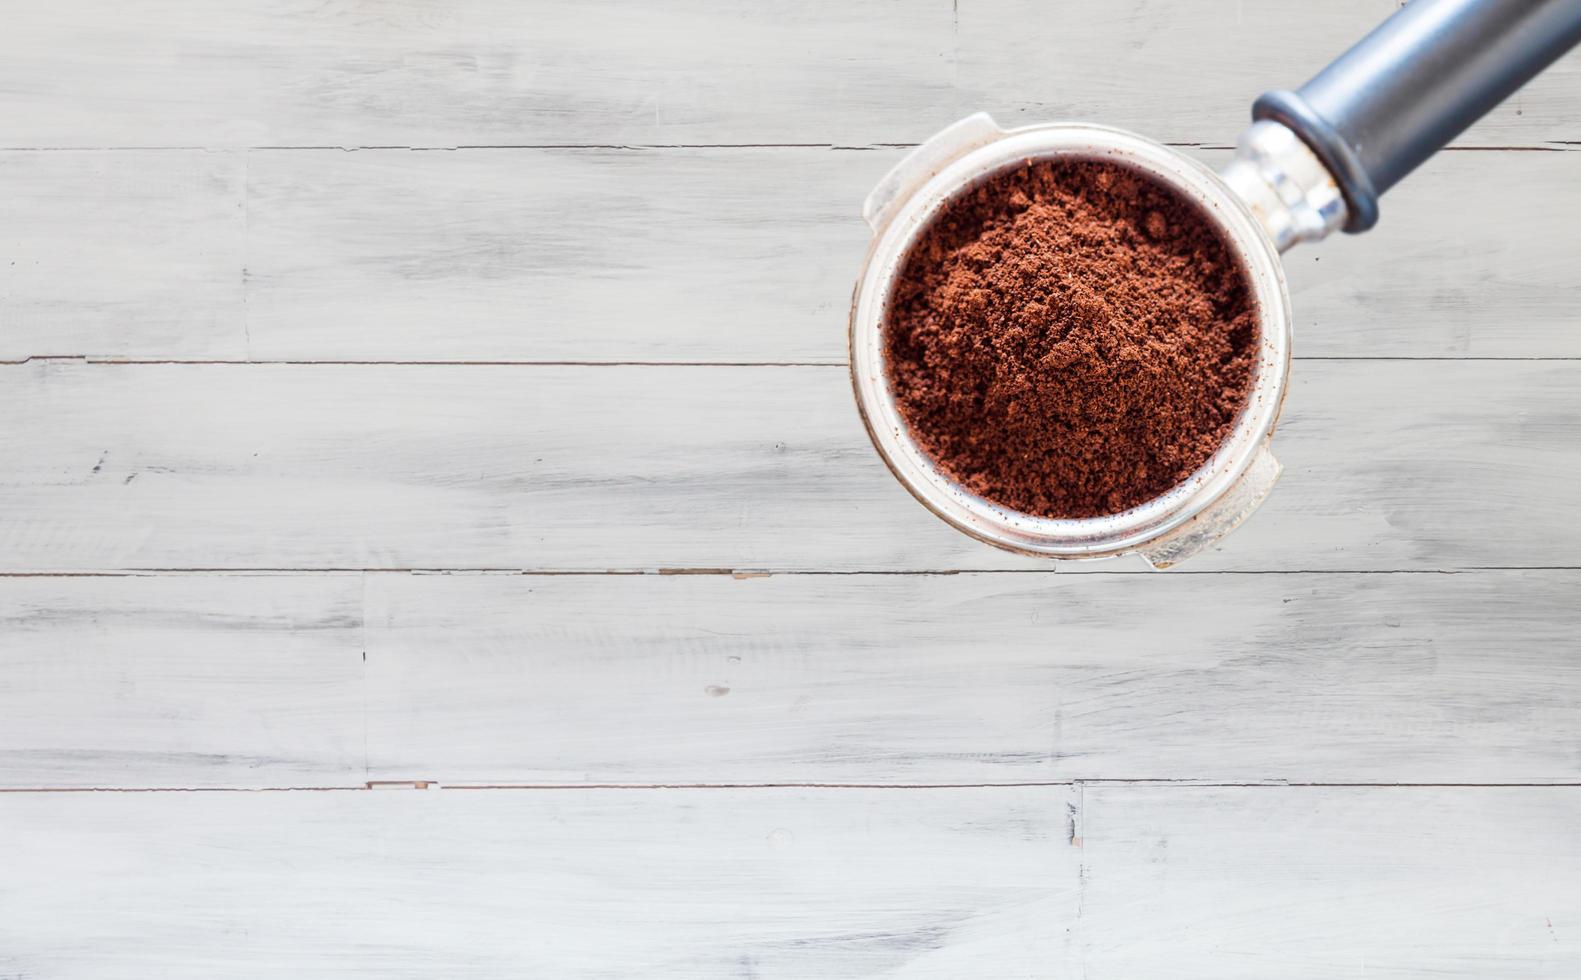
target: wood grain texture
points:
(749, 255)
(679, 182)
(488, 72)
(480, 72)
(195, 680)
(122, 254)
(679, 255)
(1458, 266)
(1188, 72)
(1169, 882)
(1329, 883)
(602, 255)
(975, 678)
(332, 680)
(1389, 465)
(764, 883)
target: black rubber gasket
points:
(1295, 113)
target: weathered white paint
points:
(414, 73)
(330, 680)
(1472, 257)
(738, 253)
(98, 73)
(1329, 883)
(749, 255)
(1106, 882)
(940, 883)
(603, 255)
(192, 680)
(1188, 71)
(122, 254)
(1389, 465)
(733, 255)
(976, 678)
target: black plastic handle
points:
(1415, 83)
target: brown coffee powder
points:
(1070, 339)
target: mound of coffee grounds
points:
(1070, 338)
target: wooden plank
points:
(1454, 268)
(1330, 883)
(189, 680)
(91, 73)
(1389, 465)
(682, 255)
(1188, 72)
(1172, 882)
(601, 255)
(480, 72)
(974, 678)
(743, 883)
(654, 255)
(121, 254)
(258, 680)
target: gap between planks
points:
(434, 785)
(89, 359)
(1554, 146)
(754, 573)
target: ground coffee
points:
(1070, 339)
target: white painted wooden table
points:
(448, 398)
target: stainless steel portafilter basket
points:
(1313, 161)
